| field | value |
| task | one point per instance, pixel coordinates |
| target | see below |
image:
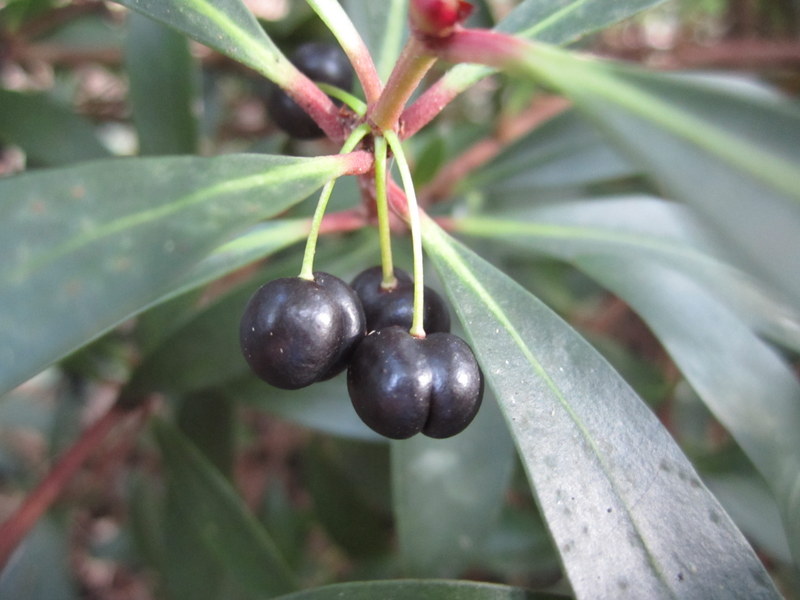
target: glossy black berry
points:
(384, 308)
(401, 385)
(320, 62)
(295, 332)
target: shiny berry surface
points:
(384, 308)
(295, 332)
(320, 62)
(401, 385)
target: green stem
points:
(417, 325)
(357, 105)
(384, 232)
(307, 269)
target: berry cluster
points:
(295, 332)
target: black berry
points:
(295, 332)
(320, 62)
(384, 308)
(401, 385)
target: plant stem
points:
(307, 268)
(357, 105)
(337, 20)
(13, 530)
(417, 325)
(414, 62)
(381, 205)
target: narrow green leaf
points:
(751, 504)
(325, 407)
(565, 151)
(256, 243)
(410, 589)
(665, 232)
(228, 26)
(552, 21)
(219, 518)
(560, 22)
(605, 472)
(740, 173)
(163, 80)
(747, 386)
(448, 493)
(88, 247)
(349, 485)
(29, 120)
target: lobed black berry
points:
(384, 308)
(295, 332)
(320, 62)
(401, 385)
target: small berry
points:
(320, 62)
(295, 332)
(438, 18)
(384, 308)
(401, 385)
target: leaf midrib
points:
(275, 175)
(449, 255)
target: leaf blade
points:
(225, 25)
(600, 481)
(221, 521)
(90, 246)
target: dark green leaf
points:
(418, 590)
(741, 173)
(49, 133)
(747, 386)
(163, 80)
(552, 21)
(207, 419)
(219, 519)
(88, 247)
(228, 26)
(560, 22)
(605, 472)
(565, 151)
(325, 407)
(665, 232)
(448, 493)
(349, 484)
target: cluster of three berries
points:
(295, 332)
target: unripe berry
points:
(438, 18)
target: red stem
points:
(342, 222)
(426, 108)
(481, 46)
(411, 67)
(365, 70)
(318, 106)
(358, 162)
(13, 530)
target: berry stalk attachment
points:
(417, 324)
(307, 269)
